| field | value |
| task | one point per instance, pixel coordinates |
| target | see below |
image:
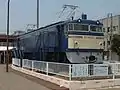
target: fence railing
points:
(70, 70)
(16, 61)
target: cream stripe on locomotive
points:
(85, 42)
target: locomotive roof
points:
(83, 21)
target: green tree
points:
(116, 44)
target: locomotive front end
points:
(85, 41)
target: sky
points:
(23, 12)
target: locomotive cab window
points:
(80, 27)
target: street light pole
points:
(8, 11)
(37, 14)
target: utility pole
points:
(8, 11)
(37, 14)
(107, 36)
(111, 34)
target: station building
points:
(3, 47)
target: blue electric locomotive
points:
(72, 41)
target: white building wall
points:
(115, 30)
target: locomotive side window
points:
(80, 27)
(66, 30)
(70, 26)
(66, 27)
(99, 29)
(93, 28)
(96, 28)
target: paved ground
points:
(109, 89)
(12, 81)
(112, 89)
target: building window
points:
(104, 43)
(110, 37)
(114, 28)
(108, 42)
(108, 29)
(103, 29)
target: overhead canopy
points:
(4, 48)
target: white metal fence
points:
(16, 61)
(70, 70)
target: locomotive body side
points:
(44, 44)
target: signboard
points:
(79, 70)
(100, 70)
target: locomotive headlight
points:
(98, 22)
(79, 20)
(76, 44)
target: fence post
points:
(113, 71)
(32, 65)
(19, 62)
(12, 61)
(23, 63)
(47, 68)
(70, 73)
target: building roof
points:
(11, 37)
(85, 21)
(109, 17)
